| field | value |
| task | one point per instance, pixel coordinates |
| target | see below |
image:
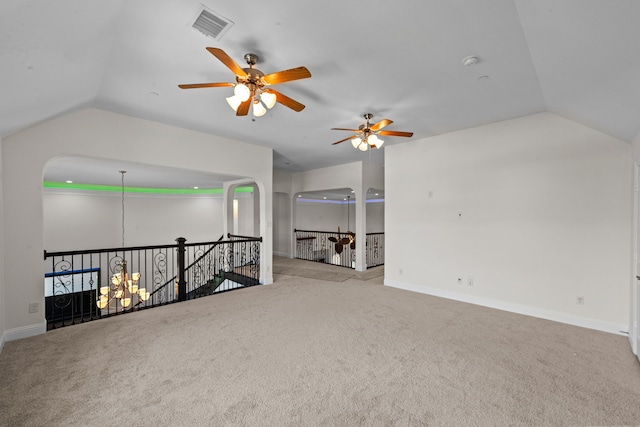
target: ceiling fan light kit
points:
(268, 98)
(367, 134)
(250, 88)
(251, 91)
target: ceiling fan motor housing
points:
(253, 80)
(251, 59)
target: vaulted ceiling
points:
(400, 60)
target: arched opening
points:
(325, 223)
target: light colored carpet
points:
(321, 271)
(308, 352)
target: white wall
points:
(319, 216)
(634, 294)
(92, 220)
(246, 225)
(535, 210)
(282, 224)
(282, 213)
(283, 182)
(323, 216)
(2, 249)
(96, 133)
(375, 217)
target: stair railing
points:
(169, 273)
(313, 245)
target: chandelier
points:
(124, 285)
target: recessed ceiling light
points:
(325, 198)
(299, 195)
(69, 182)
(195, 188)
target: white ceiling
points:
(396, 59)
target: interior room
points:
(491, 147)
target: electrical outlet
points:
(33, 307)
(470, 281)
(459, 280)
(580, 300)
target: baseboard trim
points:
(597, 325)
(25, 331)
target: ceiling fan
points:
(251, 88)
(367, 134)
(349, 239)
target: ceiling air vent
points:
(212, 24)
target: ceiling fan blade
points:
(350, 130)
(342, 140)
(286, 101)
(382, 123)
(226, 60)
(352, 245)
(243, 108)
(345, 241)
(287, 75)
(333, 239)
(199, 85)
(395, 133)
(338, 248)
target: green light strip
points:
(116, 188)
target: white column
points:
(361, 229)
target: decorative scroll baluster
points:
(74, 278)
(315, 246)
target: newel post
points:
(182, 283)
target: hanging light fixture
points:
(258, 108)
(370, 140)
(269, 98)
(261, 99)
(368, 135)
(252, 87)
(124, 285)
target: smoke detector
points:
(470, 60)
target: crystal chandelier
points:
(124, 285)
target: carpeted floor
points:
(321, 271)
(310, 352)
